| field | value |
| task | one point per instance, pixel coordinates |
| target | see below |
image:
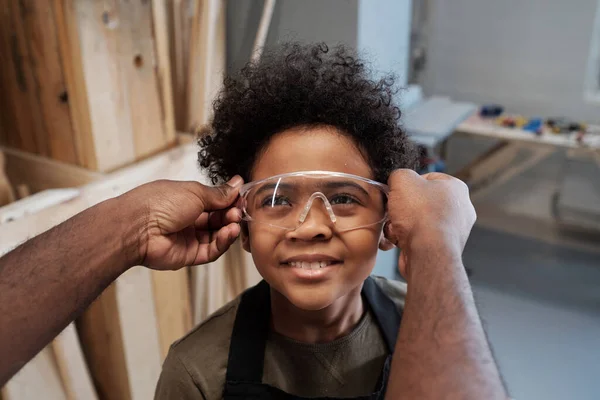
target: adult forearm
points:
(442, 351)
(47, 282)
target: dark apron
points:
(249, 339)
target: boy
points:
(315, 136)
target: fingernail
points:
(235, 181)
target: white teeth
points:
(310, 265)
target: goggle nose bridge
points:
(309, 203)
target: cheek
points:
(263, 241)
(362, 247)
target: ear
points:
(385, 244)
(245, 236)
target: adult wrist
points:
(132, 221)
(434, 250)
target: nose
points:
(317, 224)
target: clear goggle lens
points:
(285, 201)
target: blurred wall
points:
(378, 28)
(530, 55)
(331, 21)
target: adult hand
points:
(431, 212)
(182, 223)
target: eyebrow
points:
(270, 186)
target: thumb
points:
(219, 197)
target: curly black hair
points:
(300, 85)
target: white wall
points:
(384, 35)
(529, 55)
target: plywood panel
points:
(173, 306)
(137, 314)
(100, 30)
(102, 342)
(38, 379)
(47, 80)
(72, 367)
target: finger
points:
(218, 242)
(217, 219)
(215, 198)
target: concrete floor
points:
(537, 285)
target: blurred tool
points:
(534, 125)
(491, 110)
(564, 125)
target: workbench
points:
(576, 202)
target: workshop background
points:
(97, 97)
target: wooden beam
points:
(41, 173)
(38, 379)
(180, 22)
(202, 56)
(40, 30)
(69, 47)
(102, 342)
(72, 368)
(173, 306)
(19, 106)
(160, 25)
(263, 30)
(137, 314)
(7, 194)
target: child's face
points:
(308, 149)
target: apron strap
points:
(252, 324)
(249, 336)
(386, 313)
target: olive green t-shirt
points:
(346, 367)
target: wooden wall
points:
(86, 82)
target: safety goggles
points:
(345, 201)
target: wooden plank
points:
(142, 64)
(200, 292)
(163, 69)
(180, 21)
(36, 203)
(18, 104)
(23, 191)
(138, 321)
(102, 342)
(7, 194)
(202, 51)
(173, 306)
(102, 33)
(71, 364)
(69, 47)
(263, 30)
(40, 173)
(48, 80)
(38, 379)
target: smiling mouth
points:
(311, 264)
